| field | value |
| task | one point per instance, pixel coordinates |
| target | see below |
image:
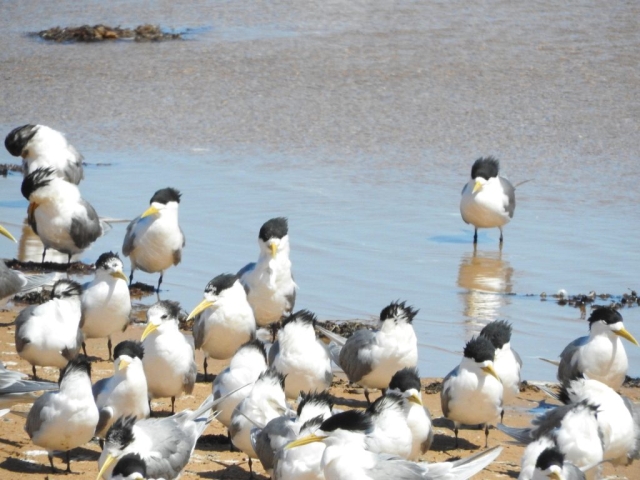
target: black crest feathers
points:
(479, 349)
(166, 195)
(275, 228)
(497, 332)
(485, 167)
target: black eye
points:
(164, 316)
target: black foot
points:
(502, 416)
(173, 405)
(486, 436)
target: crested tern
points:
(58, 214)
(154, 240)
(472, 392)
(169, 358)
(488, 200)
(507, 363)
(224, 319)
(300, 356)
(551, 465)
(129, 467)
(106, 303)
(67, 418)
(41, 147)
(390, 433)
(49, 334)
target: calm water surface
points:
(358, 121)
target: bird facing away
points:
(42, 147)
(601, 354)
(406, 382)
(106, 303)
(507, 363)
(154, 240)
(372, 357)
(169, 358)
(224, 319)
(65, 419)
(300, 356)
(488, 200)
(347, 458)
(58, 214)
(15, 388)
(125, 393)
(391, 433)
(551, 465)
(472, 392)
(271, 291)
(49, 334)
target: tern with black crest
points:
(507, 363)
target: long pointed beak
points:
(150, 328)
(6, 233)
(274, 250)
(150, 211)
(555, 476)
(105, 466)
(304, 441)
(477, 186)
(123, 364)
(415, 398)
(489, 369)
(203, 305)
(119, 275)
(624, 333)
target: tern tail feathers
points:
(522, 435)
(552, 362)
(465, 467)
(552, 393)
(37, 281)
(340, 340)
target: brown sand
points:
(211, 459)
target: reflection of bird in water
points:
(488, 281)
(488, 200)
(42, 147)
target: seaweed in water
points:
(98, 33)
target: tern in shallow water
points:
(224, 319)
(507, 363)
(106, 303)
(371, 357)
(154, 240)
(472, 392)
(58, 214)
(49, 334)
(65, 419)
(271, 291)
(488, 200)
(169, 358)
(41, 147)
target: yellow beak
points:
(203, 305)
(477, 186)
(150, 328)
(5, 232)
(415, 398)
(489, 369)
(555, 476)
(123, 364)
(304, 441)
(624, 333)
(105, 466)
(274, 250)
(119, 275)
(150, 211)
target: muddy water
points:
(359, 121)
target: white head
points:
(224, 287)
(109, 267)
(608, 321)
(162, 316)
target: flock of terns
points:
(250, 397)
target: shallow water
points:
(358, 121)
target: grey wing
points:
(190, 378)
(171, 448)
(106, 414)
(568, 368)
(99, 387)
(291, 301)
(261, 443)
(573, 472)
(350, 359)
(242, 272)
(198, 331)
(635, 413)
(85, 229)
(517, 357)
(21, 319)
(129, 237)
(177, 254)
(274, 436)
(74, 171)
(445, 394)
(273, 352)
(387, 466)
(510, 192)
(548, 421)
(10, 282)
(34, 418)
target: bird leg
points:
(475, 236)
(44, 252)
(69, 461)
(366, 395)
(501, 235)
(131, 278)
(109, 345)
(101, 442)
(173, 405)
(84, 349)
(150, 411)
(486, 435)
(502, 416)
(231, 447)
(68, 260)
(160, 281)
(205, 368)
(33, 369)
(455, 430)
(250, 468)
(50, 455)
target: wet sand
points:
(211, 459)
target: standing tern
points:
(58, 214)
(106, 303)
(224, 319)
(169, 358)
(125, 393)
(65, 419)
(49, 334)
(154, 240)
(346, 456)
(371, 357)
(600, 355)
(41, 147)
(472, 392)
(300, 356)
(507, 362)
(271, 291)
(488, 200)
(15, 388)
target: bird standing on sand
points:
(154, 240)
(65, 419)
(106, 303)
(125, 393)
(600, 355)
(507, 363)
(58, 214)
(271, 291)
(42, 147)
(300, 356)
(49, 334)
(371, 357)
(169, 359)
(224, 319)
(472, 392)
(488, 200)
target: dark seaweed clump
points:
(98, 33)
